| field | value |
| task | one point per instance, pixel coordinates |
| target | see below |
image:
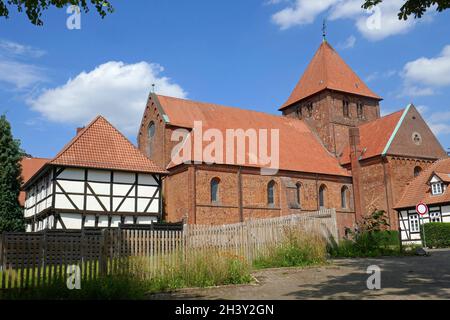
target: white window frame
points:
(435, 216)
(414, 223)
(437, 188)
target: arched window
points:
(360, 110)
(322, 196)
(271, 193)
(344, 197)
(417, 171)
(298, 194)
(346, 108)
(215, 190)
(150, 135)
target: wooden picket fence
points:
(35, 259)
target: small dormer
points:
(438, 183)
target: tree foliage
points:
(11, 214)
(34, 8)
(413, 7)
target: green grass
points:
(201, 270)
(298, 249)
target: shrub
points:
(299, 248)
(437, 234)
(368, 244)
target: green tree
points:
(34, 8)
(413, 7)
(11, 213)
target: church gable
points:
(414, 138)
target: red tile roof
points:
(374, 136)
(419, 190)
(300, 150)
(327, 70)
(101, 146)
(30, 166)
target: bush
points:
(368, 244)
(437, 234)
(299, 248)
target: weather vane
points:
(324, 30)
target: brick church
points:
(335, 151)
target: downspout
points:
(240, 195)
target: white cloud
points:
(414, 91)
(381, 75)
(424, 76)
(439, 122)
(16, 49)
(301, 12)
(376, 24)
(15, 72)
(20, 75)
(114, 89)
(348, 43)
(430, 71)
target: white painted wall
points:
(121, 192)
(409, 237)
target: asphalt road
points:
(402, 278)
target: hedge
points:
(437, 234)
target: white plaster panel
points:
(146, 220)
(124, 177)
(100, 188)
(99, 175)
(93, 205)
(72, 173)
(71, 220)
(71, 186)
(146, 179)
(145, 191)
(122, 189)
(61, 202)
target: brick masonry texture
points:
(383, 178)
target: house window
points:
(414, 223)
(344, 197)
(151, 134)
(298, 195)
(360, 110)
(271, 193)
(215, 190)
(322, 196)
(436, 188)
(435, 217)
(346, 109)
(417, 171)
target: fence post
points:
(1, 251)
(103, 259)
(335, 230)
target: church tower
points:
(331, 98)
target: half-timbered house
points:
(99, 179)
(430, 187)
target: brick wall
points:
(328, 119)
(254, 196)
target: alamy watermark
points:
(374, 280)
(73, 22)
(251, 147)
(73, 277)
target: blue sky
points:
(248, 54)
